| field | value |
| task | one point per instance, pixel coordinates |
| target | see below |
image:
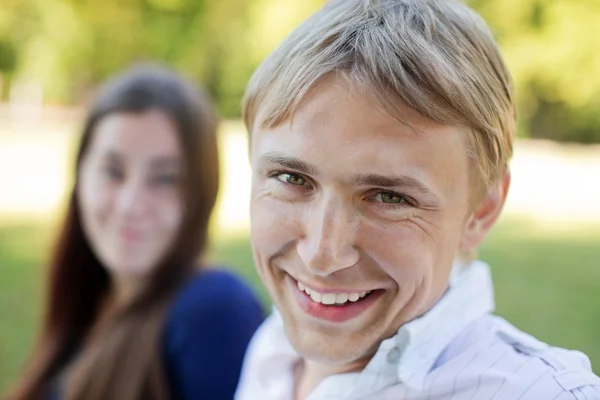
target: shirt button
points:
(394, 355)
(403, 339)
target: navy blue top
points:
(206, 335)
(207, 330)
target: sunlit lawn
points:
(547, 283)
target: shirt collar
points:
(413, 351)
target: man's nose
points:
(329, 244)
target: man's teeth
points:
(331, 298)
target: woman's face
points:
(129, 191)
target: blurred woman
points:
(129, 314)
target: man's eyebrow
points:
(288, 162)
(378, 180)
(399, 181)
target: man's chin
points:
(329, 349)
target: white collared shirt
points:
(457, 351)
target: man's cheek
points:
(272, 226)
(264, 235)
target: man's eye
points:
(389, 197)
(292, 179)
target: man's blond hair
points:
(436, 56)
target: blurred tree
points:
(8, 56)
(551, 48)
(72, 45)
(69, 46)
(8, 63)
(8, 49)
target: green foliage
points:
(8, 56)
(70, 46)
(551, 47)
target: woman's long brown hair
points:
(124, 362)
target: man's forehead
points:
(324, 99)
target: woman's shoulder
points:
(208, 326)
(214, 292)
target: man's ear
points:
(485, 213)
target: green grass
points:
(22, 250)
(547, 283)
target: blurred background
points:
(545, 250)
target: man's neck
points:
(308, 374)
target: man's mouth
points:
(333, 305)
(332, 298)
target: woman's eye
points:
(390, 198)
(292, 179)
(165, 180)
(112, 173)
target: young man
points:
(381, 132)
